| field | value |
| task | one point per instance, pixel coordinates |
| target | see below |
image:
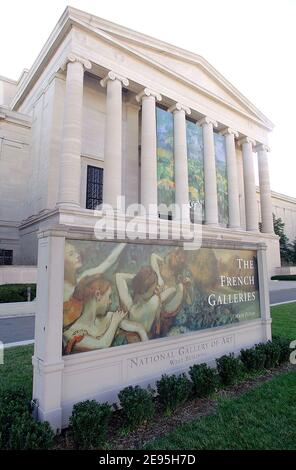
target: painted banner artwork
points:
(222, 183)
(165, 157)
(122, 293)
(195, 164)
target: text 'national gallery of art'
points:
(106, 114)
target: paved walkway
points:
(282, 291)
(15, 329)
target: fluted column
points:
(180, 157)
(249, 185)
(265, 194)
(70, 161)
(112, 187)
(211, 201)
(148, 151)
(232, 178)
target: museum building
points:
(106, 111)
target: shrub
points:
(284, 346)
(89, 423)
(272, 353)
(16, 292)
(253, 359)
(26, 433)
(13, 404)
(204, 379)
(229, 369)
(137, 405)
(173, 391)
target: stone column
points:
(70, 161)
(249, 185)
(112, 187)
(265, 194)
(180, 156)
(148, 151)
(232, 178)
(211, 201)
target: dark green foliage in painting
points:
(221, 174)
(165, 157)
(195, 164)
(137, 405)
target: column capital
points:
(113, 76)
(246, 140)
(146, 93)
(207, 120)
(229, 131)
(262, 148)
(179, 107)
(71, 58)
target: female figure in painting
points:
(97, 326)
(170, 273)
(145, 303)
(73, 306)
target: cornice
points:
(15, 117)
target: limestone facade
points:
(89, 100)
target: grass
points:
(17, 368)
(284, 321)
(263, 418)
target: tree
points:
(292, 252)
(279, 229)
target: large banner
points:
(121, 293)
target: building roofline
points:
(73, 16)
(281, 196)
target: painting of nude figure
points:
(121, 293)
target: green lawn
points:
(17, 368)
(263, 418)
(284, 321)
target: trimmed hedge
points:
(137, 405)
(229, 369)
(253, 359)
(18, 429)
(204, 379)
(173, 391)
(16, 292)
(89, 424)
(284, 277)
